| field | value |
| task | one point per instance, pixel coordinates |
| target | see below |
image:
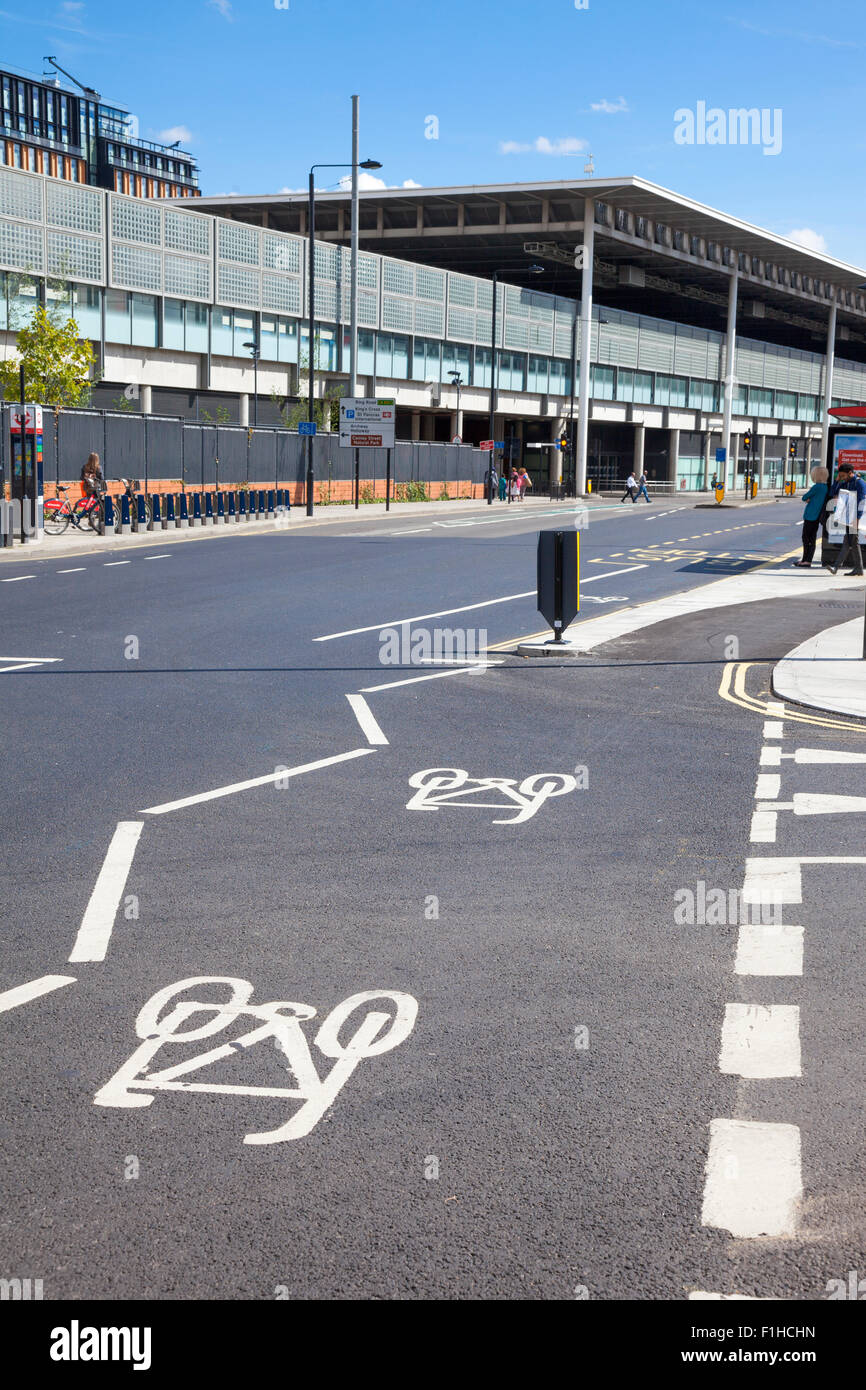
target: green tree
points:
(58, 364)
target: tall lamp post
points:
(311, 299)
(255, 350)
(531, 270)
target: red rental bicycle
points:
(57, 513)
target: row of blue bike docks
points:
(159, 511)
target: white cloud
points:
(173, 133)
(804, 236)
(368, 181)
(224, 7)
(610, 107)
(566, 144)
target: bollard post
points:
(196, 508)
(169, 516)
(155, 512)
(183, 514)
(233, 515)
(107, 513)
(221, 507)
(208, 508)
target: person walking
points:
(524, 480)
(848, 481)
(491, 481)
(641, 488)
(630, 489)
(503, 487)
(514, 485)
(816, 500)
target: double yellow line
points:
(733, 689)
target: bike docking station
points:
(558, 592)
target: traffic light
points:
(563, 443)
(792, 450)
(747, 443)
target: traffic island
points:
(548, 646)
(827, 672)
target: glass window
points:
(384, 355)
(807, 408)
(244, 332)
(427, 359)
(86, 306)
(195, 338)
(625, 384)
(287, 332)
(455, 358)
(400, 368)
(144, 320)
(786, 405)
(704, 395)
(560, 378)
(643, 388)
(670, 390)
(760, 401)
(741, 400)
(268, 338)
(481, 368)
(222, 332)
(602, 382)
(172, 324)
(118, 326)
(366, 352)
(539, 374)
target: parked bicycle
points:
(58, 513)
(131, 487)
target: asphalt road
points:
(543, 1124)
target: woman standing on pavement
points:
(92, 482)
(815, 500)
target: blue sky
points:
(520, 92)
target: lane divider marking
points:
(760, 1041)
(22, 994)
(97, 923)
(366, 719)
(754, 1178)
(256, 781)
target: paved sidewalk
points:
(828, 671)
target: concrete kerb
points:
(827, 672)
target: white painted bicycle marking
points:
(279, 1021)
(451, 786)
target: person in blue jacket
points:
(849, 481)
(816, 500)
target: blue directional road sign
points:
(720, 456)
(307, 427)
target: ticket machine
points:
(25, 428)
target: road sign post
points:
(559, 578)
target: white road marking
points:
(18, 577)
(699, 1294)
(366, 719)
(22, 666)
(22, 994)
(422, 617)
(277, 1021)
(820, 804)
(255, 781)
(97, 923)
(79, 569)
(768, 786)
(769, 949)
(166, 556)
(771, 757)
(467, 608)
(775, 707)
(760, 1041)
(763, 828)
(416, 531)
(453, 787)
(31, 658)
(780, 880)
(773, 728)
(754, 1183)
(435, 675)
(110, 564)
(825, 755)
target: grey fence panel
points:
(230, 455)
(261, 457)
(163, 447)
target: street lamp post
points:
(311, 303)
(255, 351)
(532, 270)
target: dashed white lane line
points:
(278, 774)
(22, 994)
(79, 569)
(769, 948)
(16, 578)
(754, 1179)
(366, 719)
(97, 923)
(21, 666)
(166, 556)
(773, 728)
(111, 564)
(760, 1041)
